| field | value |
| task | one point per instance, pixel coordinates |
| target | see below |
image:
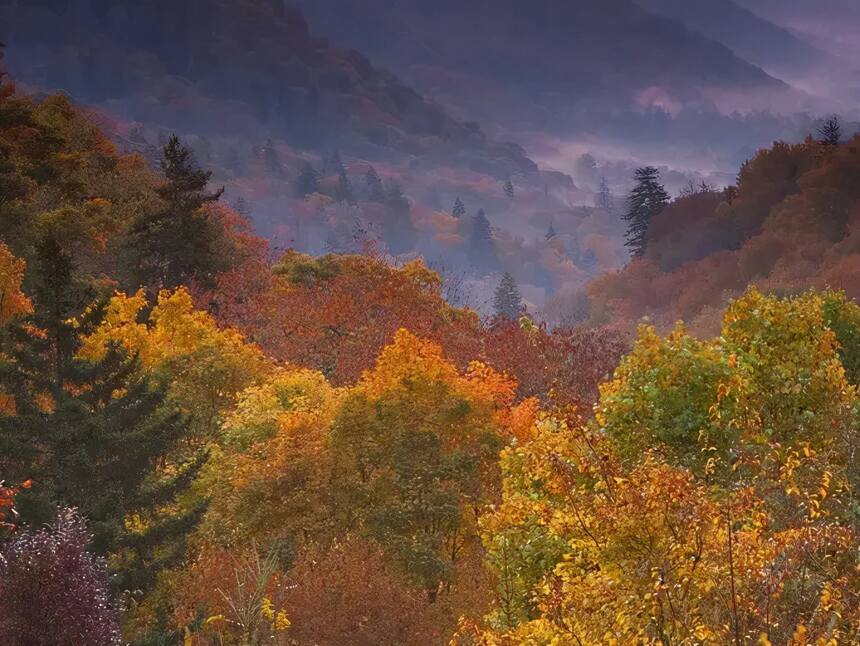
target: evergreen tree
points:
(831, 131)
(333, 165)
(509, 190)
(177, 243)
(375, 191)
(603, 197)
(507, 301)
(647, 199)
(344, 189)
(308, 181)
(459, 209)
(89, 434)
(271, 159)
(398, 230)
(481, 245)
(550, 233)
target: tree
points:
(603, 197)
(414, 447)
(375, 191)
(52, 592)
(647, 199)
(333, 165)
(271, 159)
(550, 232)
(398, 231)
(509, 190)
(459, 209)
(831, 131)
(481, 245)
(506, 301)
(344, 188)
(179, 242)
(308, 181)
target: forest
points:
(210, 440)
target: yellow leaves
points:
(407, 359)
(175, 328)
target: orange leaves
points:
(12, 301)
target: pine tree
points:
(459, 209)
(177, 243)
(344, 188)
(271, 159)
(603, 197)
(375, 191)
(90, 434)
(831, 131)
(551, 233)
(481, 245)
(308, 181)
(647, 199)
(333, 165)
(509, 190)
(398, 231)
(507, 301)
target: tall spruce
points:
(647, 199)
(507, 301)
(603, 196)
(459, 209)
(482, 249)
(308, 181)
(177, 243)
(90, 434)
(344, 188)
(375, 191)
(509, 190)
(831, 131)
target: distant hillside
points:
(750, 36)
(548, 60)
(251, 64)
(293, 125)
(792, 223)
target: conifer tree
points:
(831, 131)
(398, 231)
(647, 199)
(308, 181)
(551, 233)
(603, 197)
(459, 209)
(344, 188)
(272, 160)
(178, 243)
(375, 191)
(333, 165)
(90, 434)
(506, 300)
(509, 190)
(481, 245)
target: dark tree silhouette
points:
(647, 199)
(375, 191)
(459, 209)
(831, 131)
(308, 181)
(506, 300)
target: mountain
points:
(250, 63)
(553, 63)
(747, 34)
(294, 125)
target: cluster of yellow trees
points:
(710, 498)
